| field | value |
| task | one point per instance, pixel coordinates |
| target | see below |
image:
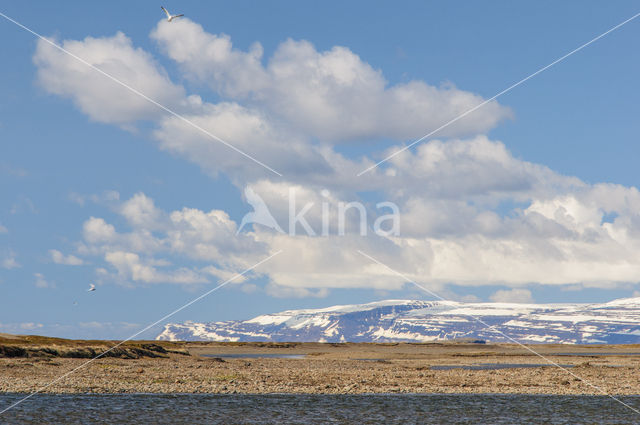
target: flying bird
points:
(170, 17)
(92, 287)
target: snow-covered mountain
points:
(615, 322)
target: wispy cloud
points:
(9, 261)
(13, 170)
(68, 260)
(23, 205)
(41, 282)
(105, 197)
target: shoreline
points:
(350, 368)
(21, 394)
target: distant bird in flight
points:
(92, 288)
(170, 17)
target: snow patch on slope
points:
(420, 321)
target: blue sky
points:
(60, 163)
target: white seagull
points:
(92, 287)
(170, 17)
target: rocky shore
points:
(152, 367)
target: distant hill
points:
(615, 322)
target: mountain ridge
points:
(614, 322)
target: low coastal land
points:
(29, 363)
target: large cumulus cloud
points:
(471, 213)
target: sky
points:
(531, 198)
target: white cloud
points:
(476, 168)
(206, 238)
(227, 276)
(141, 212)
(274, 113)
(278, 291)
(12, 170)
(76, 198)
(332, 95)
(130, 267)
(29, 326)
(281, 196)
(23, 205)
(249, 288)
(333, 262)
(17, 328)
(105, 197)
(247, 129)
(211, 58)
(522, 296)
(96, 95)
(3, 229)
(42, 282)
(560, 241)
(9, 261)
(68, 260)
(96, 230)
(210, 236)
(471, 213)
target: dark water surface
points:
(494, 366)
(257, 356)
(594, 354)
(316, 409)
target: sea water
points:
(318, 409)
